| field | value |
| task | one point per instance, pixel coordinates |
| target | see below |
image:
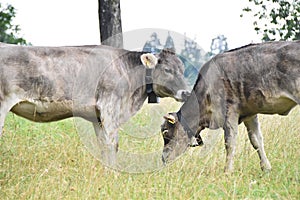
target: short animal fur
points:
(232, 88)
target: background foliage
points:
(275, 19)
(8, 31)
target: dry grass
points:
(48, 161)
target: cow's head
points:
(175, 138)
(168, 77)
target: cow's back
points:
(260, 59)
(45, 79)
(52, 70)
(262, 78)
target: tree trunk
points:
(110, 23)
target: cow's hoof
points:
(266, 169)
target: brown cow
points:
(232, 88)
(98, 83)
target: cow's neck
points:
(188, 115)
(137, 77)
(195, 113)
(190, 132)
(200, 111)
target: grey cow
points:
(232, 88)
(101, 84)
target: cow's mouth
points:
(163, 91)
(180, 95)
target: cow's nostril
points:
(182, 95)
(185, 95)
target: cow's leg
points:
(256, 140)
(107, 130)
(2, 119)
(5, 106)
(230, 135)
(108, 144)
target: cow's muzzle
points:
(166, 155)
(182, 95)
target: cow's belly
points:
(40, 111)
(281, 106)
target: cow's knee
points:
(254, 132)
(230, 145)
(256, 140)
(230, 136)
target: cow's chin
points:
(163, 92)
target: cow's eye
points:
(167, 70)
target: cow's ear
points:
(170, 118)
(149, 60)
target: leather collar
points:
(152, 97)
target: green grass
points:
(49, 161)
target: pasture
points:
(48, 161)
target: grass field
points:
(49, 161)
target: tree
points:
(110, 23)
(276, 19)
(8, 31)
(218, 45)
(193, 57)
(153, 45)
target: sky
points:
(69, 22)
